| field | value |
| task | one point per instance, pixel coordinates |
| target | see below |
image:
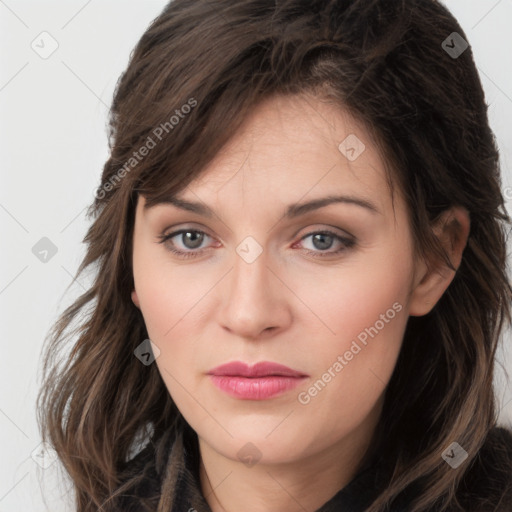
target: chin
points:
(251, 443)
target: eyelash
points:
(347, 242)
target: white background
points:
(53, 146)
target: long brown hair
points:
(195, 74)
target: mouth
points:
(261, 381)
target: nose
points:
(255, 302)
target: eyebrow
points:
(293, 210)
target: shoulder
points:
(141, 479)
(498, 444)
(487, 484)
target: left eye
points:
(323, 240)
(192, 239)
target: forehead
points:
(291, 145)
(288, 151)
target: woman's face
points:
(271, 271)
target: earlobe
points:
(135, 299)
(452, 229)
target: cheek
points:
(172, 301)
(364, 310)
(356, 298)
(350, 370)
(168, 294)
(169, 298)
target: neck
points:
(304, 484)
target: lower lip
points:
(255, 388)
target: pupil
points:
(321, 238)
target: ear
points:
(452, 229)
(135, 298)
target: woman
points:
(299, 239)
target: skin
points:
(298, 309)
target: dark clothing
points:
(355, 497)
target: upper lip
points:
(261, 369)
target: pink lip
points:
(259, 382)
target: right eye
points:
(190, 239)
